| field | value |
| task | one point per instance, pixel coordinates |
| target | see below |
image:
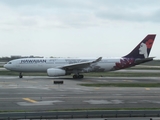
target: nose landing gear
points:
(20, 75)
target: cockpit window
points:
(9, 63)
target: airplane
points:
(77, 66)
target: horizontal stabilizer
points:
(139, 61)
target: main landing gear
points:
(78, 76)
(20, 75)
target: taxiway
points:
(40, 94)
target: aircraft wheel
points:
(20, 75)
(75, 76)
(80, 76)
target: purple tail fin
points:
(143, 49)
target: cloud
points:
(75, 27)
(126, 15)
(129, 11)
(40, 14)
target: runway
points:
(40, 94)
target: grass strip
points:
(11, 73)
(143, 68)
(121, 74)
(107, 109)
(122, 85)
(94, 74)
(88, 109)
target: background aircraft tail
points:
(143, 49)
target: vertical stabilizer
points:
(142, 50)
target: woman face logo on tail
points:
(143, 50)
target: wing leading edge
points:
(81, 65)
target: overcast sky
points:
(77, 28)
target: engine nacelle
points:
(52, 72)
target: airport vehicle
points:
(77, 66)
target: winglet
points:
(97, 60)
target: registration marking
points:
(29, 100)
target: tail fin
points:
(143, 49)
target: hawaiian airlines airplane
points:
(60, 66)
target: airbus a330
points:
(77, 66)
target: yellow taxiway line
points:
(29, 100)
(147, 88)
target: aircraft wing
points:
(80, 65)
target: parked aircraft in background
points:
(77, 66)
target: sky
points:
(77, 28)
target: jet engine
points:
(52, 72)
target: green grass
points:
(122, 74)
(10, 73)
(98, 74)
(142, 68)
(89, 109)
(107, 109)
(122, 85)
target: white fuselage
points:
(42, 64)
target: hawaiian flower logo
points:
(124, 63)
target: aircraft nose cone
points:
(5, 66)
